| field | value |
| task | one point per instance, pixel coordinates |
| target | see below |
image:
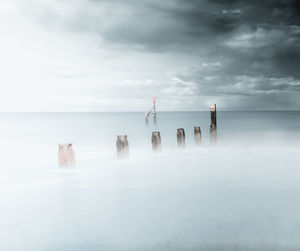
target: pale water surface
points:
(240, 194)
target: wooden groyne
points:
(66, 155)
(213, 123)
(180, 137)
(122, 146)
(156, 141)
(197, 135)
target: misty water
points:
(239, 194)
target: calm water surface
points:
(240, 194)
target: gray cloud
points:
(244, 47)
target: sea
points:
(240, 193)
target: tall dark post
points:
(213, 115)
(197, 135)
(154, 109)
(180, 137)
(156, 141)
(213, 123)
(122, 146)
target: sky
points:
(114, 55)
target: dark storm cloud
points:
(160, 25)
(157, 25)
(258, 43)
(249, 47)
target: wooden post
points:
(156, 141)
(213, 115)
(180, 137)
(154, 109)
(147, 118)
(197, 135)
(213, 134)
(122, 146)
(213, 123)
(66, 156)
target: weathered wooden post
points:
(197, 135)
(180, 137)
(154, 109)
(147, 118)
(156, 141)
(213, 123)
(62, 156)
(213, 114)
(71, 157)
(122, 146)
(66, 156)
(213, 134)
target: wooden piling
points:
(156, 141)
(213, 115)
(66, 155)
(154, 109)
(122, 146)
(213, 134)
(180, 137)
(213, 123)
(147, 118)
(197, 135)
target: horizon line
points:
(144, 112)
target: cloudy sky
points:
(114, 55)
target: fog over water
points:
(239, 194)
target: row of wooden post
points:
(123, 146)
(66, 155)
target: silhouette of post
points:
(180, 138)
(197, 135)
(66, 155)
(122, 146)
(213, 123)
(156, 141)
